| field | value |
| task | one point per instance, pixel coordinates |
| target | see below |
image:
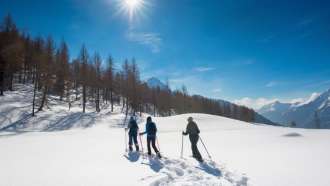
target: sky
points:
(250, 52)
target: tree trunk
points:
(76, 89)
(44, 96)
(123, 101)
(98, 100)
(127, 107)
(84, 98)
(111, 100)
(11, 78)
(34, 96)
(24, 74)
(2, 83)
(154, 111)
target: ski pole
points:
(125, 139)
(141, 143)
(182, 146)
(205, 148)
(157, 144)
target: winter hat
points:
(190, 119)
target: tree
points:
(110, 79)
(46, 71)
(317, 120)
(75, 75)
(184, 100)
(11, 52)
(2, 72)
(134, 81)
(37, 57)
(83, 58)
(97, 83)
(62, 69)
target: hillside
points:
(41, 151)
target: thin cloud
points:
(318, 84)
(149, 39)
(260, 102)
(249, 62)
(203, 69)
(271, 84)
(197, 84)
(217, 90)
(254, 103)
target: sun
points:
(132, 7)
(132, 4)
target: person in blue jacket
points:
(132, 134)
(151, 131)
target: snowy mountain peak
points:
(302, 113)
(155, 82)
(275, 106)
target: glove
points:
(183, 133)
(126, 129)
(141, 134)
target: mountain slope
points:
(303, 114)
(275, 111)
(258, 118)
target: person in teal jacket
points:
(151, 131)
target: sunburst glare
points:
(132, 7)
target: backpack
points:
(133, 127)
(152, 129)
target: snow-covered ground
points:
(92, 152)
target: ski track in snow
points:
(187, 171)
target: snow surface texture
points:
(93, 151)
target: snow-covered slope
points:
(93, 152)
(303, 114)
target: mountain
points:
(275, 111)
(258, 118)
(155, 82)
(313, 113)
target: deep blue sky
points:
(229, 49)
